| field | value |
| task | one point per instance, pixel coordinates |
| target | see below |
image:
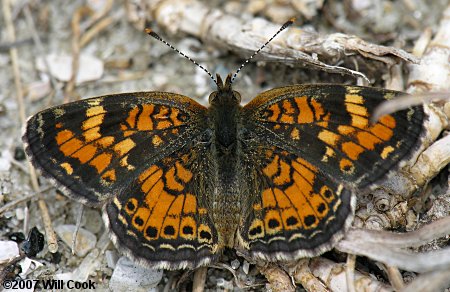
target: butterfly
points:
(179, 182)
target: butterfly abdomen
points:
(224, 115)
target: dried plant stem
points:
(14, 58)
(302, 274)
(421, 236)
(95, 30)
(77, 227)
(386, 247)
(395, 277)
(295, 46)
(430, 282)
(38, 43)
(76, 35)
(26, 198)
(50, 233)
(350, 272)
(198, 284)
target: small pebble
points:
(5, 160)
(86, 240)
(246, 267)
(34, 243)
(20, 215)
(94, 222)
(29, 266)
(235, 264)
(88, 265)
(90, 67)
(227, 285)
(16, 236)
(111, 259)
(128, 276)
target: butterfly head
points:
(225, 93)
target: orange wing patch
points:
(90, 150)
(145, 122)
(292, 202)
(367, 136)
(152, 117)
(97, 150)
(357, 137)
(298, 204)
(350, 140)
(164, 214)
(305, 113)
(299, 110)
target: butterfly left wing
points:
(138, 156)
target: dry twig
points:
(278, 279)
(22, 199)
(387, 247)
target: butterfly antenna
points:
(283, 27)
(153, 34)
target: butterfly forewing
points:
(96, 146)
(328, 125)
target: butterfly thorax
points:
(224, 114)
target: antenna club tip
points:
(289, 22)
(150, 32)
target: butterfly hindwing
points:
(297, 212)
(162, 219)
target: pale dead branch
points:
(387, 247)
(334, 276)
(295, 46)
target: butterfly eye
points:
(237, 96)
(212, 96)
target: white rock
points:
(20, 214)
(235, 264)
(5, 160)
(8, 250)
(29, 266)
(111, 259)
(246, 267)
(60, 65)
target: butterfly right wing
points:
(309, 148)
